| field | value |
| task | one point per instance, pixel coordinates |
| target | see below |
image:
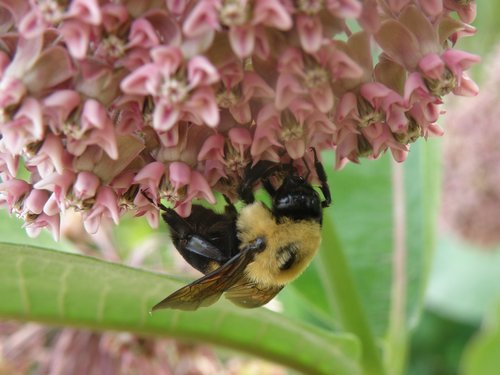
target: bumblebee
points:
(251, 255)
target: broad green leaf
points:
(481, 355)
(465, 280)
(362, 213)
(71, 290)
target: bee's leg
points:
(230, 209)
(194, 247)
(269, 187)
(253, 175)
(320, 171)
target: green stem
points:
(397, 336)
(344, 298)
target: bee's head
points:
(296, 199)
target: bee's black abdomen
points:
(203, 237)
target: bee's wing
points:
(208, 289)
(248, 294)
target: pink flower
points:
(102, 101)
(418, 47)
(243, 18)
(105, 206)
(178, 95)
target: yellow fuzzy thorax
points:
(256, 220)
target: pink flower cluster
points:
(102, 99)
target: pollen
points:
(174, 90)
(316, 76)
(227, 98)
(368, 115)
(72, 129)
(291, 129)
(52, 11)
(309, 7)
(112, 46)
(411, 135)
(234, 13)
(443, 86)
(234, 159)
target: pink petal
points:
(141, 81)
(142, 34)
(214, 171)
(272, 13)
(32, 25)
(165, 116)
(201, 72)
(344, 8)
(87, 11)
(295, 148)
(12, 191)
(62, 102)
(31, 111)
(76, 35)
(342, 66)
(51, 207)
(52, 223)
(203, 104)
(176, 7)
(86, 185)
(202, 19)
(199, 188)
(240, 136)
(179, 174)
(53, 150)
(105, 205)
(57, 183)
(150, 176)
(254, 86)
(467, 86)
(11, 91)
(94, 115)
(346, 107)
(169, 138)
(241, 113)
(167, 58)
(242, 40)
(458, 61)
(432, 7)
(322, 98)
(310, 33)
(287, 89)
(432, 66)
(113, 16)
(213, 148)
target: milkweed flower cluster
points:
(100, 100)
(471, 189)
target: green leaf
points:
(481, 356)
(464, 281)
(71, 290)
